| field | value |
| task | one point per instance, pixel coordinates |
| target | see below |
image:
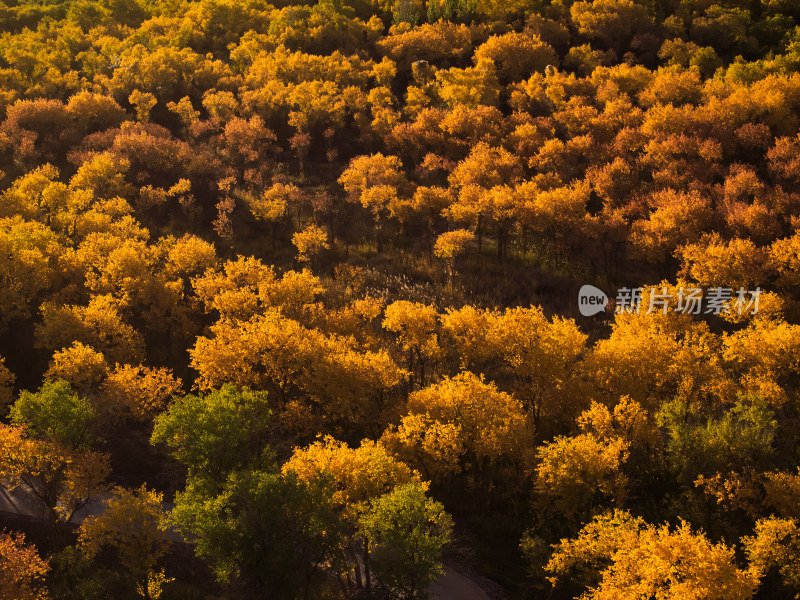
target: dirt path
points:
(454, 585)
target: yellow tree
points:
(465, 425)
(135, 392)
(233, 291)
(613, 22)
(763, 357)
(574, 475)
(450, 245)
(330, 374)
(60, 479)
(6, 385)
(516, 55)
(678, 218)
(485, 169)
(377, 182)
(775, 547)
(417, 329)
(359, 476)
(428, 204)
(100, 324)
(246, 286)
(618, 556)
(557, 215)
(275, 205)
(684, 356)
(784, 258)
(28, 251)
(129, 526)
(81, 366)
(470, 86)
(523, 351)
(734, 263)
(310, 243)
(22, 570)
(780, 490)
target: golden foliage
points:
(82, 366)
(22, 570)
(310, 242)
(130, 525)
(462, 424)
(648, 560)
(359, 474)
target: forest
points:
(289, 299)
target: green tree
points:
(55, 413)
(702, 443)
(407, 532)
(216, 433)
(269, 530)
(266, 529)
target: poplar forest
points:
(292, 299)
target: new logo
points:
(591, 300)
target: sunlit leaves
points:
(310, 242)
(129, 526)
(621, 556)
(462, 425)
(22, 570)
(774, 546)
(60, 480)
(54, 413)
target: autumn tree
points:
(612, 22)
(620, 556)
(673, 343)
(129, 525)
(99, 324)
(464, 432)
(135, 393)
(677, 219)
(378, 183)
(428, 204)
(484, 200)
(22, 570)
(516, 55)
(6, 385)
(450, 245)
(575, 475)
(331, 374)
(557, 216)
(61, 480)
(773, 550)
(48, 450)
(522, 350)
(469, 86)
(760, 356)
(732, 263)
(81, 366)
(441, 43)
(310, 242)
(27, 268)
(417, 328)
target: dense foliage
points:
(308, 272)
